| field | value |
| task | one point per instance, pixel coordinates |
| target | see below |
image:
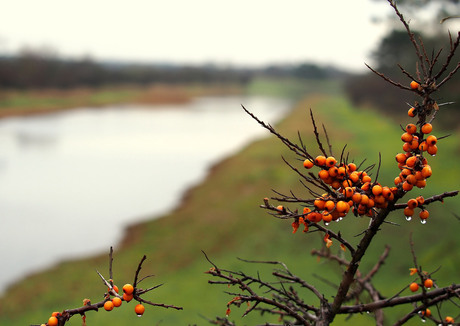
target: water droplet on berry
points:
(423, 221)
(139, 315)
(423, 320)
(408, 218)
(326, 223)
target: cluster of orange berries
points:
(414, 203)
(116, 301)
(427, 284)
(354, 191)
(109, 304)
(414, 166)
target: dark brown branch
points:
(315, 131)
(445, 293)
(293, 147)
(453, 48)
(432, 199)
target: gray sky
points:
(237, 32)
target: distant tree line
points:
(33, 70)
(41, 69)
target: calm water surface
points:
(70, 182)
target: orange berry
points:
(432, 150)
(426, 171)
(356, 198)
(428, 283)
(412, 203)
(333, 171)
(327, 217)
(127, 297)
(407, 137)
(315, 217)
(55, 313)
(320, 160)
(410, 162)
(342, 207)
(308, 164)
(354, 176)
(427, 128)
(366, 178)
(116, 302)
(420, 200)
(449, 320)
(423, 146)
(306, 210)
(405, 173)
(431, 140)
(128, 288)
(352, 167)
(424, 214)
(426, 312)
(377, 190)
(364, 200)
(406, 147)
(408, 211)
(386, 192)
(413, 287)
(420, 184)
(342, 172)
(319, 204)
(347, 184)
(407, 186)
(414, 85)
(348, 192)
(414, 143)
(411, 179)
(411, 128)
(329, 206)
(380, 200)
(52, 321)
(331, 161)
(412, 112)
(323, 174)
(401, 158)
(139, 309)
(108, 305)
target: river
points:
(70, 182)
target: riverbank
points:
(33, 102)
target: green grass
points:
(221, 217)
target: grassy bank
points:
(221, 217)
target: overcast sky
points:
(237, 32)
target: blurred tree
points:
(394, 50)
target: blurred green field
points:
(222, 218)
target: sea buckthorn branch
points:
(431, 199)
(284, 301)
(283, 213)
(428, 81)
(111, 298)
(437, 295)
(362, 283)
(348, 188)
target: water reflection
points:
(79, 177)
